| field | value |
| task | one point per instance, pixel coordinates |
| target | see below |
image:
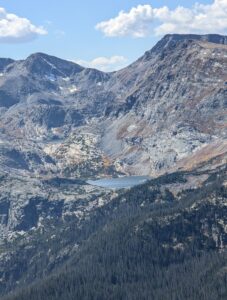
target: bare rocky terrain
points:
(143, 119)
(62, 124)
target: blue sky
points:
(83, 31)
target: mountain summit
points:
(42, 64)
(210, 38)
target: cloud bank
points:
(103, 63)
(14, 29)
(144, 20)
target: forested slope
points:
(149, 244)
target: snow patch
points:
(131, 128)
(50, 77)
(66, 78)
(73, 89)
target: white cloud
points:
(135, 23)
(14, 29)
(103, 63)
(143, 20)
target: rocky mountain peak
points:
(44, 64)
(170, 40)
(211, 38)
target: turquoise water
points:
(120, 182)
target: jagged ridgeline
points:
(61, 125)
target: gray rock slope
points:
(175, 102)
(60, 121)
(143, 119)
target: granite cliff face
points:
(61, 124)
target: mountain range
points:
(61, 124)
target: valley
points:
(93, 164)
